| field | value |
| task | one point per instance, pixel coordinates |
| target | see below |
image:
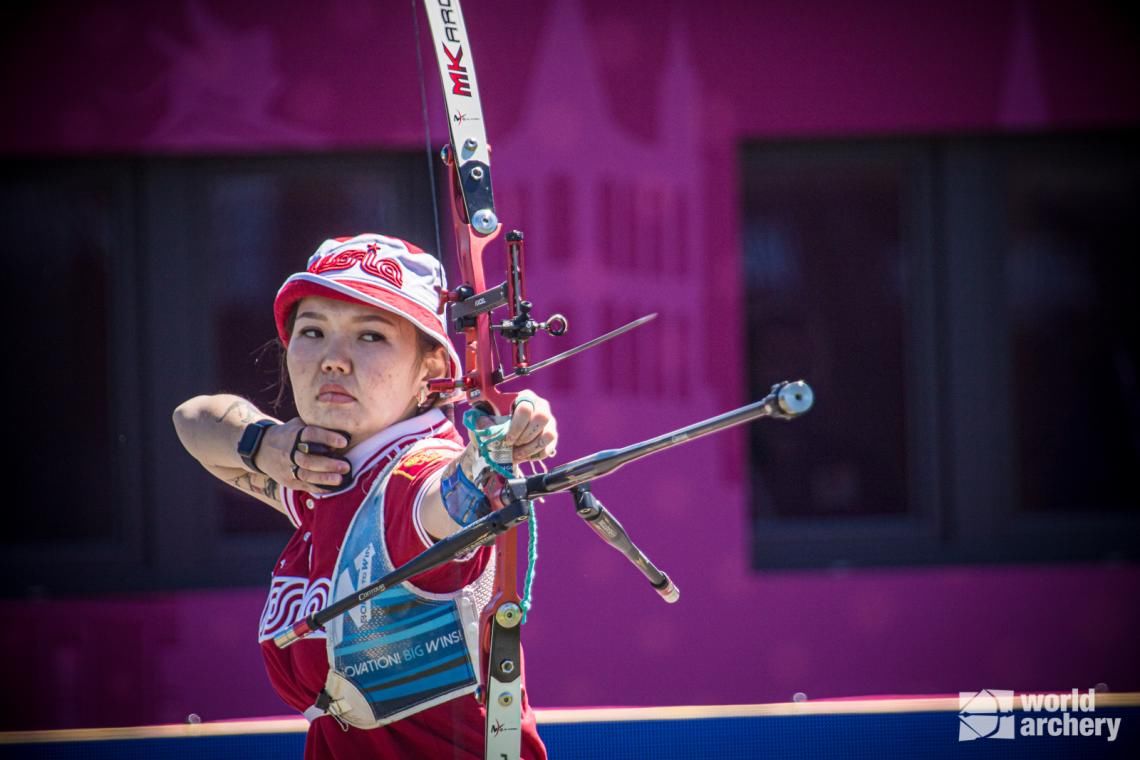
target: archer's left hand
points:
(533, 432)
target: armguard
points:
(462, 499)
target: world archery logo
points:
(985, 714)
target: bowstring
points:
(427, 130)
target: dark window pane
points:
(825, 283)
(60, 239)
(1074, 278)
(260, 221)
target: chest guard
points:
(406, 649)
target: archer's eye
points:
(372, 337)
(311, 332)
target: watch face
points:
(250, 439)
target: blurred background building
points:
(926, 210)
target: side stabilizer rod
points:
(602, 521)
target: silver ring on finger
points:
(296, 472)
(297, 446)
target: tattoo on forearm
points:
(243, 482)
(246, 412)
(255, 484)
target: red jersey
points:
(302, 582)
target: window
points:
(962, 309)
(142, 282)
(72, 322)
(1072, 279)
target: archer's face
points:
(353, 367)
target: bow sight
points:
(465, 305)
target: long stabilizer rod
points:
(786, 401)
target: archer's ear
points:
(435, 363)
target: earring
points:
(422, 397)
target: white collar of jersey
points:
(419, 426)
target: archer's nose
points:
(336, 359)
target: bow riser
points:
(476, 226)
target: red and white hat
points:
(383, 272)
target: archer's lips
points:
(334, 394)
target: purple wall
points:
(598, 637)
(597, 115)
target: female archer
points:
(370, 474)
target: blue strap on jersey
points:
(462, 499)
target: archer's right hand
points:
(305, 457)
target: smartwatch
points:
(251, 441)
